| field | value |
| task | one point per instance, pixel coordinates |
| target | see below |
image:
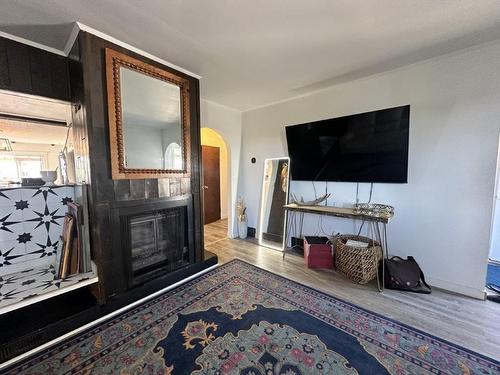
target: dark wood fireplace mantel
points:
(110, 200)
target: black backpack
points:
(405, 275)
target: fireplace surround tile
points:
(122, 190)
(137, 189)
(175, 186)
(185, 185)
(151, 189)
(163, 187)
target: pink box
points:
(317, 252)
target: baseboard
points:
(457, 288)
(272, 237)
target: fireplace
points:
(157, 239)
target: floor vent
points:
(20, 346)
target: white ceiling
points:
(12, 103)
(251, 53)
(27, 132)
(34, 107)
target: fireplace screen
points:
(158, 241)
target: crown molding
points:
(111, 39)
(71, 39)
(31, 43)
(82, 27)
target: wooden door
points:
(211, 183)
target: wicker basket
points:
(358, 264)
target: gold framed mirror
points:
(149, 124)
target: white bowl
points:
(49, 177)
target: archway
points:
(216, 227)
(173, 156)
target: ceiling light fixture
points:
(5, 145)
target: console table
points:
(347, 213)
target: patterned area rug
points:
(240, 319)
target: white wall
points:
(227, 122)
(443, 214)
(143, 147)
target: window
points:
(173, 156)
(13, 167)
(8, 168)
(29, 166)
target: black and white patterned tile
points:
(32, 282)
(45, 247)
(31, 221)
(11, 253)
(11, 224)
(9, 196)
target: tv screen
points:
(366, 147)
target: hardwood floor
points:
(468, 322)
(215, 231)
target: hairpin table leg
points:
(382, 245)
(376, 234)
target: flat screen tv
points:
(366, 147)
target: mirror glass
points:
(274, 196)
(151, 118)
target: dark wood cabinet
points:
(33, 71)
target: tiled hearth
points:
(31, 225)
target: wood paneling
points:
(4, 63)
(33, 71)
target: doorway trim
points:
(229, 199)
